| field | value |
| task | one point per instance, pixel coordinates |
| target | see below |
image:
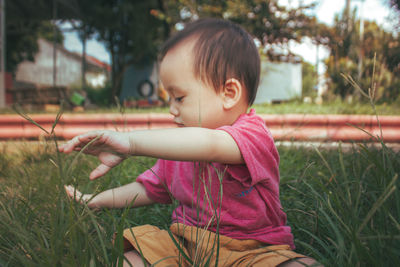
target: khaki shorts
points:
(199, 247)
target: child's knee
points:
(132, 258)
(301, 262)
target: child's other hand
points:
(76, 195)
(109, 146)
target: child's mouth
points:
(179, 124)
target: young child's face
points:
(192, 102)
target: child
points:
(220, 164)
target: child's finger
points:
(76, 195)
(78, 142)
(89, 136)
(70, 145)
(68, 190)
(101, 170)
(72, 192)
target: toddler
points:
(220, 163)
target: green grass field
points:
(343, 207)
(296, 107)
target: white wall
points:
(41, 71)
(279, 81)
(69, 69)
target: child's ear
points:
(232, 93)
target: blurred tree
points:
(82, 18)
(133, 30)
(309, 80)
(380, 50)
(26, 21)
(395, 4)
(130, 32)
(128, 28)
(268, 21)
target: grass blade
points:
(18, 109)
(388, 191)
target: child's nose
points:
(173, 110)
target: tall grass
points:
(343, 206)
(39, 226)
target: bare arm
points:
(120, 197)
(186, 144)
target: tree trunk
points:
(114, 66)
(84, 37)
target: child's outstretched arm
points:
(120, 197)
(186, 144)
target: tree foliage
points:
(127, 28)
(133, 30)
(309, 80)
(395, 4)
(268, 21)
(372, 59)
(26, 21)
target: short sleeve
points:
(154, 180)
(257, 147)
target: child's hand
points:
(133, 194)
(110, 147)
(76, 195)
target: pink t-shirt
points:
(250, 207)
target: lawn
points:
(297, 107)
(343, 207)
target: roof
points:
(91, 60)
(98, 62)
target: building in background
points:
(279, 81)
(69, 68)
(34, 81)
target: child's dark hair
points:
(222, 50)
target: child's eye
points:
(179, 99)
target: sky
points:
(325, 11)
